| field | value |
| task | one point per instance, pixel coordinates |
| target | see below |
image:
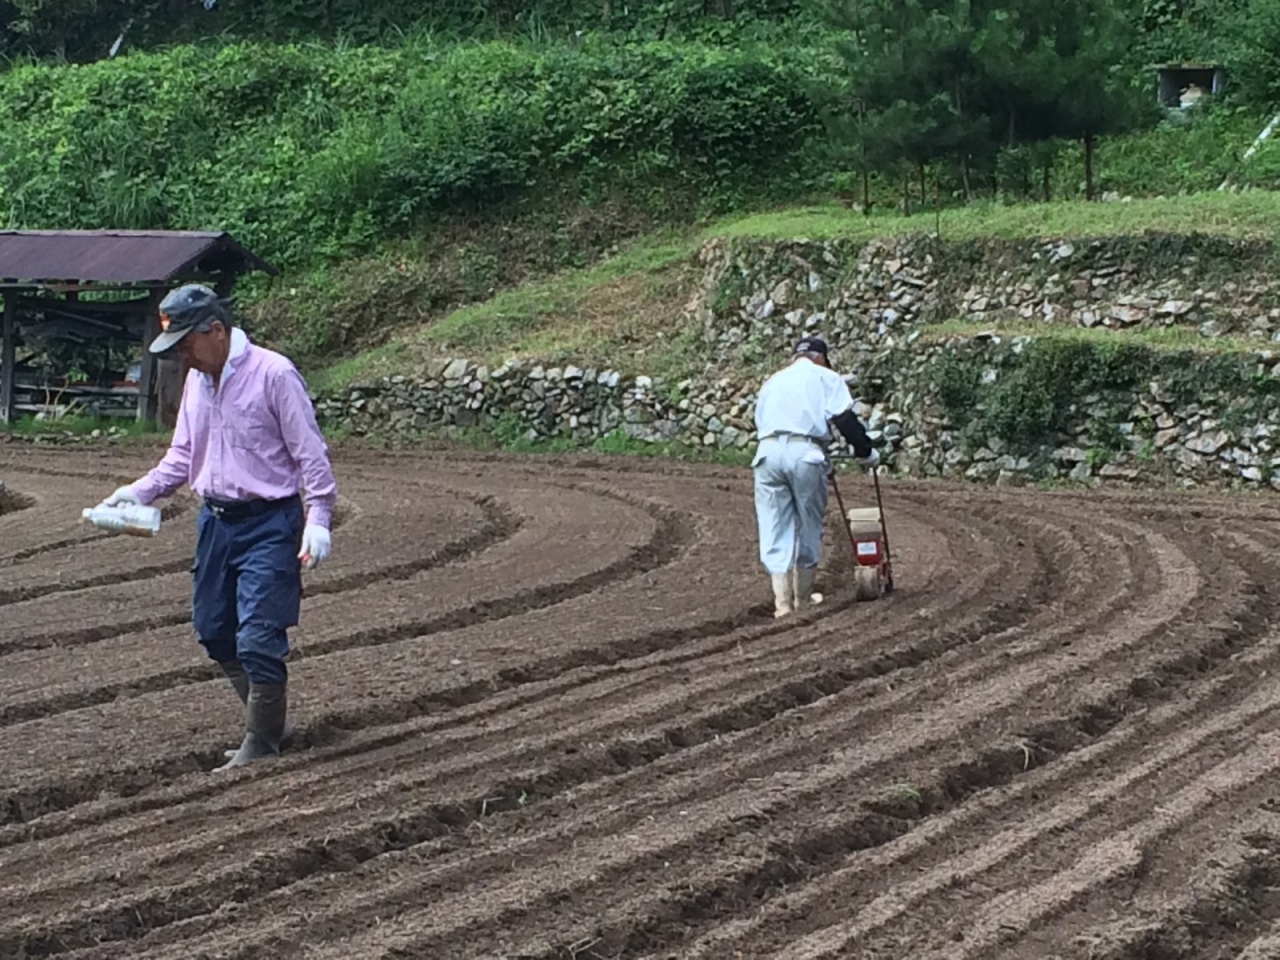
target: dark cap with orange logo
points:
(188, 308)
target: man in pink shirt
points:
(246, 441)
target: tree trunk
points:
(924, 197)
(866, 192)
(906, 195)
(937, 207)
(964, 175)
(607, 12)
(1088, 166)
(1048, 193)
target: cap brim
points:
(167, 341)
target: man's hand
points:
(120, 497)
(315, 545)
(871, 460)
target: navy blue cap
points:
(183, 310)
(811, 345)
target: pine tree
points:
(911, 72)
(1091, 39)
(963, 79)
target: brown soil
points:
(544, 712)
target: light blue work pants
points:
(791, 498)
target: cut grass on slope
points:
(626, 313)
(618, 314)
(1255, 214)
(1165, 339)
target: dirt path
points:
(544, 712)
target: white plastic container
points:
(130, 518)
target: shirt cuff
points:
(319, 515)
(146, 490)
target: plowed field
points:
(544, 711)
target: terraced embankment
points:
(544, 711)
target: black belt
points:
(783, 435)
(233, 511)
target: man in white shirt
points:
(793, 415)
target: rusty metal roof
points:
(120, 256)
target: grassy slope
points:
(625, 312)
(1165, 339)
(1242, 215)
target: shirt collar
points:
(239, 344)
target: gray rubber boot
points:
(240, 683)
(264, 722)
(238, 678)
(802, 585)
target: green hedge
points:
(308, 152)
(304, 151)
(85, 30)
(1049, 387)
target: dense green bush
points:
(1035, 393)
(1181, 155)
(85, 30)
(1034, 398)
(304, 151)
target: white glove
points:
(315, 545)
(120, 497)
(872, 459)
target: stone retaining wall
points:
(1180, 420)
(544, 403)
(1156, 430)
(1164, 417)
(758, 297)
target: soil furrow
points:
(644, 754)
(562, 723)
(26, 802)
(821, 844)
(919, 911)
(1265, 947)
(672, 647)
(90, 690)
(1095, 718)
(1123, 856)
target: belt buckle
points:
(216, 509)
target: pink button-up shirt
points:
(255, 436)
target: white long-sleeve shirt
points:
(800, 399)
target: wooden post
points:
(147, 385)
(224, 283)
(172, 375)
(8, 362)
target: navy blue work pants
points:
(247, 586)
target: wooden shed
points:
(88, 286)
(1181, 84)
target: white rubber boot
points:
(804, 577)
(783, 603)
